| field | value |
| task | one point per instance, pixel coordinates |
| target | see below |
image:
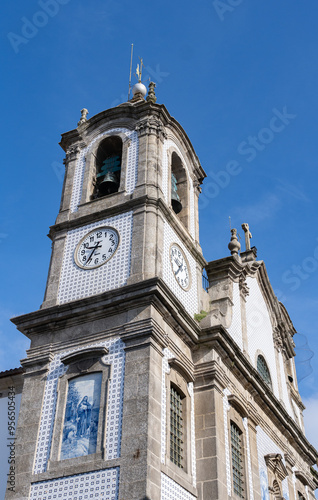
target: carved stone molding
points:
(151, 126)
(244, 289)
(72, 152)
(276, 465)
(180, 367)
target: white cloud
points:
(310, 419)
(292, 191)
(263, 209)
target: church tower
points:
(129, 393)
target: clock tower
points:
(129, 393)
(125, 279)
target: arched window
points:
(300, 496)
(179, 189)
(263, 370)
(237, 460)
(108, 166)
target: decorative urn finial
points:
(84, 113)
(234, 245)
(151, 92)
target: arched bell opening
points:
(108, 166)
(179, 189)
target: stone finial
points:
(84, 113)
(248, 236)
(234, 245)
(151, 92)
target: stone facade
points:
(133, 320)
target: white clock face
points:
(180, 266)
(96, 248)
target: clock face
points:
(180, 266)
(96, 248)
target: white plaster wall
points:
(235, 329)
(266, 445)
(285, 396)
(189, 298)
(259, 331)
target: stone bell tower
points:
(129, 393)
(125, 279)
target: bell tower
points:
(132, 168)
(129, 393)
(125, 278)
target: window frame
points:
(234, 424)
(179, 377)
(85, 362)
(237, 412)
(267, 379)
(179, 169)
(91, 172)
(98, 163)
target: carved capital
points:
(278, 341)
(72, 152)
(151, 126)
(244, 289)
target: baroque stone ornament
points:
(151, 126)
(83, 119)
(244, 289)
(72, 152)
(234, 246)
(151, 92)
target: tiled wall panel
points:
(115, 357)
(131, 167)
(189, 299)
(99, 485)
(77, 283)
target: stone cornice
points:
(148, 292)
(125, 115)
(218, 338)
(126, 206)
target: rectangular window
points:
(176, 428)
(237, 461)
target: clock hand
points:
(180, 267)
(90, 248)
(91, 254)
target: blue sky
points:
(241, 78)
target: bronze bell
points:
(175, 200)
(109, 184)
